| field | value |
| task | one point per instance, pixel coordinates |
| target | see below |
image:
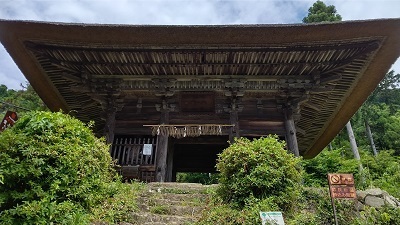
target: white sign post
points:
(147, 149)
(275, 218)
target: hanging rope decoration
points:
(187, 130)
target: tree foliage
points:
(320, 12)
(53, 170)
(380, 171)
(20, 101)
(382, 112)
(259, 169)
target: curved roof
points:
(323, 72)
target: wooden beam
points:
(42, 48)
(216, 77)
(332, 78)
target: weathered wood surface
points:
(291, 137)
(129, 150)
(261, 75)
(162, 150)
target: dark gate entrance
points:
(196, 154)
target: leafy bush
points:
(259, 169)
(383, 216)
(218, 212)
(383, 171)
(316, 169)
(380, 171)
(53, 170)
(316, 209)
(316, 202)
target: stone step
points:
(175, 210)
(171, 203)
(149, 218)
(166, 202)
(171, 223)
(175, 197)
(179, 188)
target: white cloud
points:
(367, 9)
(9, 72)
(176, 12)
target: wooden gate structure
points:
(160, 85)
(134, 163)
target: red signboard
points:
(343, 192)
(341, 185)
(8, 120)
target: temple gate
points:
(155, 91)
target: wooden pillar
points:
(291, 137)
(162, 150)
(234, 120)
(110, 125)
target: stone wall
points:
(375, 198)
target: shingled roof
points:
(324, 72)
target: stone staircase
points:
(171, 203)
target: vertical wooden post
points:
(333, 204)
(234, 120)
(290, 128)
(162, 150)
(110, 125)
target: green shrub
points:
(380, 171)
(259, 169)
(315, 207)
(316, 169)
(384, 216)
(53, 170)
(383, 171)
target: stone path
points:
(171, 204)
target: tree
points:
(380, 113)
(320, 12)
(20, 101)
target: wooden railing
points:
(135, 162)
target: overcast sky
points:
(199, 12)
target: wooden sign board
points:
(197, 102)
(341, 185)
(8, 121)
(343, 192)
(340, 179)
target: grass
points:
(120, 206)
